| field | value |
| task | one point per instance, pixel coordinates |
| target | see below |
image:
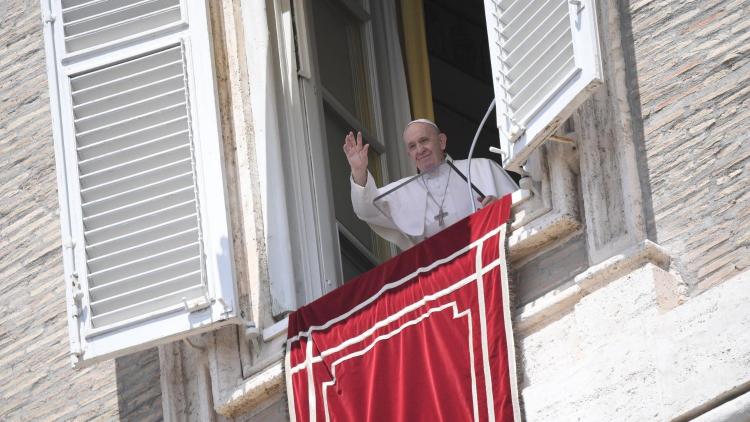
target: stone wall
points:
(692, 64)
(623, 353)
(36, 380)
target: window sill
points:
(255, 393)
(558, 301)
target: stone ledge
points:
(532, 237)
(733, 405)
(254, 393)
(563, 299)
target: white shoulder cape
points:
(400, 216)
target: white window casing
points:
(546, 61)
(146, 245)
(269, 127)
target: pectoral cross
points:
(440, 217)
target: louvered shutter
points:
(147, 254)
(545, 62)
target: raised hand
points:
(356, 155)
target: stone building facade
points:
(630, 248)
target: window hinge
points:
(48, 19)
(578, 4)
(77, 294)
(515, 132)
(227, 309)
(196, 305)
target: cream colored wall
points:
(622, 352)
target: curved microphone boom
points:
(471, 152)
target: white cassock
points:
(409, 215)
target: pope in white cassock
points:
(437, 198)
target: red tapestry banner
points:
(425, 336)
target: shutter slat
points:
(552, 76)
(92, 7)
(522, 40)
(144, 206)
(131, 125)
(151, 263)
(103, 17)
(112, 86)
(139, 309)
(133, 25)
(136, 165)
(118, 98)
(139, 222)
(131, 111)
(523, 59)
(522, 21)
(506, 5)
(128, 69)
(135, 181)
(146, 278)
(142, 251)
(72, 4)
(141, 237)
(142, 294)
(553, 39)
(122, 155)
(154, 190)
(538, 75)
(133, 139)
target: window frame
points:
(317, 98)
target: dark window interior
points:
(461, 74)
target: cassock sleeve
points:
(362, 203)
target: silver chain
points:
(445, 193)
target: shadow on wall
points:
(634, 101)
(138, 387)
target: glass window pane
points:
(338, 39)
(336, 130)
(353, 263)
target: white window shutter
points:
(147, 254)
(545, 62)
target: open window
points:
(146, 250)
(341, 94)
(347, 65)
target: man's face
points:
(424, 145)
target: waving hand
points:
(356, 155)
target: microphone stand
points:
(471, 153)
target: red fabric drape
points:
(422, 337)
